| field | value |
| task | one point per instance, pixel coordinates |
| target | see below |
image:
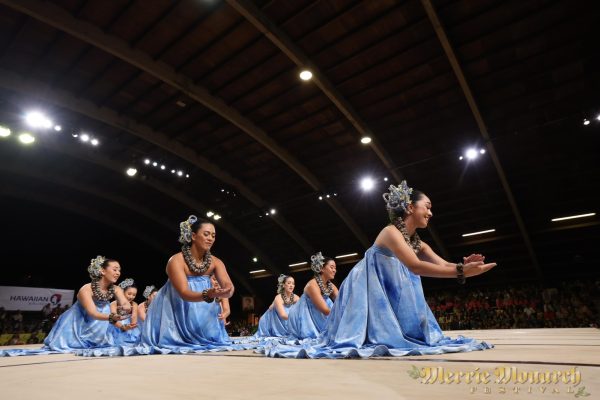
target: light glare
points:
(4, 131)
(367, 184)
(573, 217)
(26, 138)
(478, 233)
(131, 171)
(365, 140)
(306, 75)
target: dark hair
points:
(199, 222)
(132, 286)
(107, 261)
(415, 196)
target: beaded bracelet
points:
(206, 297)
(112, 318)
(460, 273)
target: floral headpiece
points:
(185, 230)
(126, 283)
(316, 262)
(148, 291)
(398, 197)
(280, 282)
(95, 267)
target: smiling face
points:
(111, 272)
(420, 212)
(204, 237)
(329, 270)
(289, 285)
(130, 293)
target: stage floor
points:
(574, 353)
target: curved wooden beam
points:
(60, 19)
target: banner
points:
(33, 299)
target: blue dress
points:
(271, 324)
(305, 321)
(74, 331)
(174, 325)
(131, 336)
(380, 311)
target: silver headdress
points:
(280, 282)
(185, 230)
(95, 267)
(148, 291)
(316, 262)
(398, 197)
(126, 283)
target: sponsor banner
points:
(33, 299)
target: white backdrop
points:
(33, 299)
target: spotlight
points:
(26, 138)
(172, 171)
(36, 119)
(217, 217)
(4, 131)
(74, 135)
(85, 137)
(328, 196)
(306, 75)
(146, 161)
(154, 164)
(131, 171)
(162, 166)
(179, 173)
(460, 158)
(367, 184)
(273, 211)
(471, 154)
(385, 179)
(482, 151)
(586, 121)
(57, 128)
(598, 117)
(210, 214)
(188, 175)
(94, 142)
(365, 140)
(255, 259)
(320, 197)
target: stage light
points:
(26, 138)
(57, 128)
(94, 142)
(4, 131)
(85, 137)
(347, 255)
(586, 121)
(365, 140)
(131, 171)
(217, 217)
(573, 217)
(273, 211)
(298, 264)
(36, 119)
(320, 197)
(471, 154)
(146, 161)
(367, 184)
(255, 259)
(478, 233)
(179, 173)
(257, 271)
(162, 167)
(306, 75)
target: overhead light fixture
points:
(478, 233)
(365, 140)
(179, 173)
(328, 196)
(273, 211)
(154, 164)
(598, 117)
(162, 166)
(57, 128)
(471, 154)
(347, 255)
(217, 217)
(131, 171)
(210, 214)
(385, 179)
(320, 197)
(172, 171)
(367, 184)
(147, 161)
(84, 137)
(26, 138)
(257, 271)
(4, 131)
(94, 142)
(36, 119)
(298, 264)
(482, 151)
(573, 217)
(254, 259)
(586, 121)
(180, 103)
(187, 175)
(306, 75)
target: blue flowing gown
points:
(74, 331)
(305, 321)
(380, 311)
(271, 324)
(131, 336)
(174, 325)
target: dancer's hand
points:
(223, 316)
(473, 257)
(224, 293)
(477, 268)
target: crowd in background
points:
(572, 304)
